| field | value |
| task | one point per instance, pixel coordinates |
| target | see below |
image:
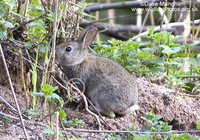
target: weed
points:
(76, 123)
(161, 54)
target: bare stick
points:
(13, 92)
(57, 126)
(129, 132)
(22, 76)
(195, 88)
(9, 105)
(54, 34)
(85, 101)
(157, 28)
(3, 100)
(27, 121)
(69, 84)
(193, 17)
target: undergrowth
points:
(154, 123)
(161, 54)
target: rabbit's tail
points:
(134, 107)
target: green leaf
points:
(3, 35)
(7, 24)
(52, 96)
(48, 88)
(50, 16)
(34, 112)
(198, 125)
(151, 31)
(34, 77)
(156, 61)
(195, 43)
(176, 37)
(62, 114)
(29, 44)
(74, 123)
(36, 24)
(134, 37)
(10, 3)
(42, 48)
(74, 138)
(36, 2)
(49, 132)
(132, 128)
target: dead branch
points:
(26, 121)
(174, 24)
(13, 92)
(84, 99)
(118, 31)
(5, 102)
(129, 132)
(135, 4)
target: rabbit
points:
(111, 89)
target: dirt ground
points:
(178, 109)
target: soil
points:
(176, 107)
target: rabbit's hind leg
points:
(129, 110)
(105, 112)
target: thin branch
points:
(54, 34)
(86, 103)
(9, 105)
(13, 92)
(193, 17)
(188, 95)
(57, 126)
(84, 99)
(26, 121)
(195, 88)
(157, 28)
(129, 132)
(22, 76)
(26, 22)
(114, 30)
(60, 79)
(3, 100)
(134, 4)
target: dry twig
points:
(69, 84)
(13, 92)
(23, 79)
(129, 132)
(26, 121)
(85, 101)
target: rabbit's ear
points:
(88, 35)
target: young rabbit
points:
(108, 85)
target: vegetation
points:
(156, 54)
(159, 55)
(154, 124)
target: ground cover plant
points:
(29, 33)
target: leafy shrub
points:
(161, 54)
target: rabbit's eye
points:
(68, 49)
